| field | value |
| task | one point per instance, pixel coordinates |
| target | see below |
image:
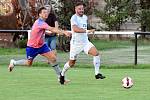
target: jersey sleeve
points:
(86, 18)
(74, 21)
(44, 25)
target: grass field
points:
(40, 83)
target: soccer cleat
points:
(62, 79)
(66, 81)
(11, 65)
(99, 76)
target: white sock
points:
(20, 62)
(96, 62)
(66, 67)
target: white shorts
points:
(76, 49)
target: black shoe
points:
(62, 79)
(99, 76)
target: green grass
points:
(12, 51)
(110, 44)
(40, 83)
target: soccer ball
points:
(127, 82)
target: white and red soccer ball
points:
(127, 82)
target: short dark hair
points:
(40, 10)
(79, 3)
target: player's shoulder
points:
(84, 17)
(40, 21)
(74, 16)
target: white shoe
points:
(11, 65)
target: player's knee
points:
(93, 52)
(72, 63)
(96, 54)
(29, 63)
(53, 60)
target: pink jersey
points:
(37, 34)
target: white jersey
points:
(81, 22)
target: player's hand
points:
(48, 32)
(68, 34)
(91, 31)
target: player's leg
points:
(68, 65)
(74, 51)
(21, 62)
(51, 57)
(91, 50)
(31, 54)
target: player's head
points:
(79, 8)
(43, 13)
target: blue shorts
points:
(31, 52)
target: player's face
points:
(80, 10)
(44, 14)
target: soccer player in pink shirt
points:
(36, 43)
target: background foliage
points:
(117, 12)
(66, 10)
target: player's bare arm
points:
(81, 30)
(56, 26)
(58, 31)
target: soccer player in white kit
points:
(79, 42)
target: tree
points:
(117, 12)
(144, 15)
(66, 10)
